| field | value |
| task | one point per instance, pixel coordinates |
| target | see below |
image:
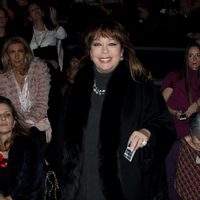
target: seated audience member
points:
(44, 37)
(111, 7)
(172, 23)
(44, 33)
(55, 147)
(144, 30)
(183, 164)
(5, 28)
(25, 80)
(194, 37)
(181, 90)
(21, 158)
(73, 64)
(193, 32)
(17, 10)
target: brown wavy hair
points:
(184, 71)
(113, 29)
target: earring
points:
(25, 60)
(122, 58)
(14, 124)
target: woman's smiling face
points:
(106, 53)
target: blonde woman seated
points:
(25, 80)
(21, 158)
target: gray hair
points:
(194, 122)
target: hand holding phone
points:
(129, 153)
(182, 117)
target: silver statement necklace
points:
(97, 90)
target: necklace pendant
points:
(97, 91)
(39, 39)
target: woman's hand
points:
(192, 109)
(53, 16)
(139, 139)
(53, 63)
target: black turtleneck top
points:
(90, 182)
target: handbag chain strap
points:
(51, 185)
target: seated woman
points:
(6, 29)
(44, 35)
(183, 164)
(21, 158)
(181, 90)
(25, 80)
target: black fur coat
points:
(25, 170)
(128, 105)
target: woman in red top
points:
(181, 90)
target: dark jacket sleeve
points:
(171, 163)
(26, 169)
(158, 121)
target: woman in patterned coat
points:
(25, 80)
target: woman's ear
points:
(122, 56)
(122, 53)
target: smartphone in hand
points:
(129, 153)
(182, 117)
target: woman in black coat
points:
(21, 158)
(112, 104)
